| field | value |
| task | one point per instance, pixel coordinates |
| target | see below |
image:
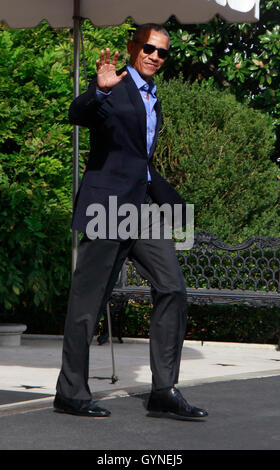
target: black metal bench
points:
(215, 273)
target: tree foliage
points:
(242, 57)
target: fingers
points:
(101, 62)
(115, 58)
(105, 58)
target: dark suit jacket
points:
(118, 158)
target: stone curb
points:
(187, 343)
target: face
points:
(147, 64)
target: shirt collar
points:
(140, 82)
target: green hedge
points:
(216, 152)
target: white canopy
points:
(59, 13)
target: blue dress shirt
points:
(148, 94)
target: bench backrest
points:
(253, 265)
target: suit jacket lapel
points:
(136, 100)
(158, 125)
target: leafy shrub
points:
(36, 167)
(35, 170)
(215, 151)
(211, 323)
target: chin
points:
(145, 76)
(148, 74)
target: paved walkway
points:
(213, 375)
(34, 366)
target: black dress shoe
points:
(79, 407)
(171, 401)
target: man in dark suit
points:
(123, 114)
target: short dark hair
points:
(144, 28)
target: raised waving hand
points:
(107, 77)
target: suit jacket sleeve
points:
(83, 108)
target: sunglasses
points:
(150, 48)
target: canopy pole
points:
(77, 33)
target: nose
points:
(154, 55)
